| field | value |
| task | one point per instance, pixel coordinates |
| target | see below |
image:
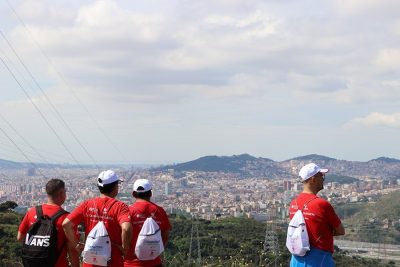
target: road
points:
(370, 250)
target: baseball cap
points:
(107, 177)
(310, 170)
(144, 184)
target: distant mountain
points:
(6, 164)
(9, 165)
(312, 157)
(341, 179)
(385, 160)
(243, 164)
(249, 166)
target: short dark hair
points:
(54, 186)
(142, 195)
(107, 188)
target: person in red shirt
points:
(321, 220)
(56, 195)
(114, 214)
(140, 210)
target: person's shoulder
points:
(87, 201)
(119, 205)
(31, 212)
(143, 207)
(320, 201)
(158, 207)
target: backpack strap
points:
(54, 218)
(57, 215)
(305, 205)
(39, 212)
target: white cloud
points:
(376, 119)
(388, 60)
(161, 65)
(372, 8)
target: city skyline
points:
(172, 81)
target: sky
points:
(170, 81)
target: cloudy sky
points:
(173, 80)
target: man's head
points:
(313, 176)
(55, 189)
(142, 189)
(107, 182)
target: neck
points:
(52, 202)
(106, 195)
(309, 190)
(142, 199)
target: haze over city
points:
(171, 81)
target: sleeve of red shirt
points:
(123, 213)
(76, 216)
(24, 225)
(165, 225)
(331, 215)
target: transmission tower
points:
(194, 244)
(271, 245)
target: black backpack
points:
(40, 245)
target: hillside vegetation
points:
(225, 242)
(375, 222)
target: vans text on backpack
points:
(40, 244)
(149, 244)
(97, 249)
(297, 240)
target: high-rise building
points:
(287, 185)
(31, 172)
(167, 188)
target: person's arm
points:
(23, 227)
(339, 230)
(126, 235)
(165, 237)
(68, 227)
(21, 236)
(73, 254)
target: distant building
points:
(167, 188)
(31, 172)
(287, 185)
(297, 187)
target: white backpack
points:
(149, 244)
(97, 249)
(297, 240)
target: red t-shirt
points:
(49, 210)
(320, 218)
(140, 211)
(89, 212)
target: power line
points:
(66, 83)
(41, 114)
(22, 152)
(26, 141)
(50, 102)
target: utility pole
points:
(194, 245)
(271, 244)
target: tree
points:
(8, 205)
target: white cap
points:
(144, 183)
(310, 170)
(107, 177)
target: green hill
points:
(10, 249)
(374, 222)
(235, 164)
(341, 179)
(225, 242)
